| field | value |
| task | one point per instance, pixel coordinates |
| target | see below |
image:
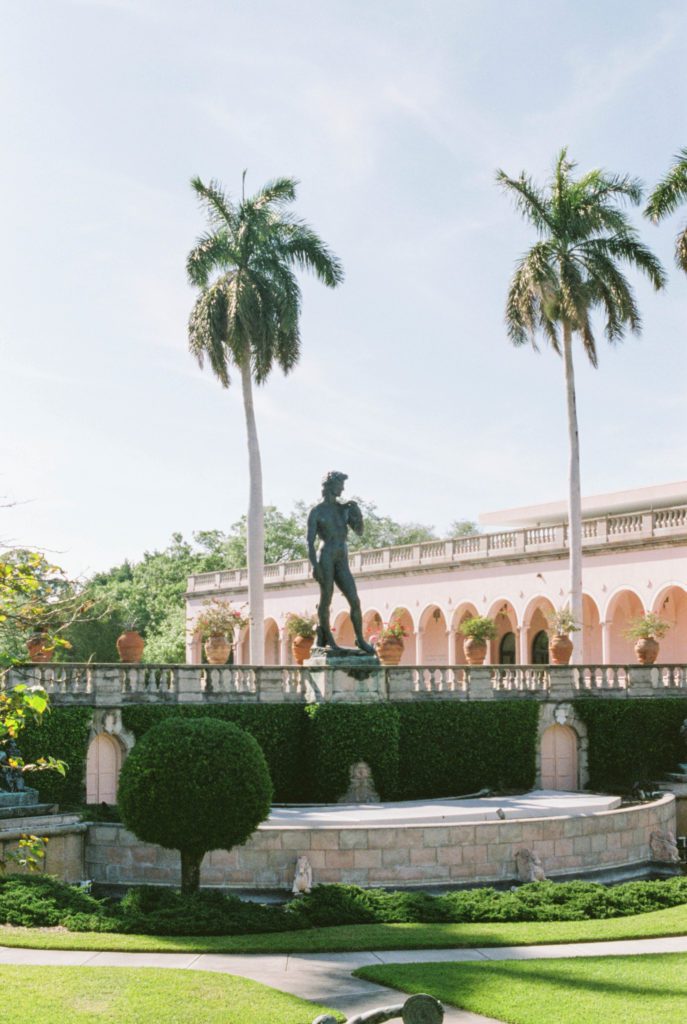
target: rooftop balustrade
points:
(609, 531)
(118, 684)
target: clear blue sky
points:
(394, 115)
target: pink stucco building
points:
(635, 560)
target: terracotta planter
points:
(475, 650)
(560, 649)
(646, 651)
(130, 646)
(390, 650)
(217, 649)
(37, 652)
(301, 647)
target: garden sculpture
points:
(11, 779)
(361, 787)
(419, 1009)
(664, 848)
(529, 866)
(302, 879)
(329, 522)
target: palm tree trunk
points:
(574, 496)
(256, 525)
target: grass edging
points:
(365, 937)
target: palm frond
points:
(216, 202)
(307, 250)
(275, 193)
(207, 330)
(670, 192)
(210, 253)
(600, 185)
(529, 200)
(681, 250)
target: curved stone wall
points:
(407, 856)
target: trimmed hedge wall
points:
(447, 749)
(278, 728)
(340, 735)
(61, 733)
(631, 740)
(415, 750)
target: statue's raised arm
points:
(355, 517)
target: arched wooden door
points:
(103, 763)
(559, 758)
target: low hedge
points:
(62, 733)
(631, 740)
(39, 902)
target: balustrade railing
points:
(120, 684)
(601, 530)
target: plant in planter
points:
(646, 630)
(561, 623)
(130, 643)
(301, 630)
(388, 642)
(217, 624)
(40, 646)
(477, 631)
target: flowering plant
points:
(219, 618)
(301, 625)
(479, 628)
(389, 631)
(646, 627)
(562, 622)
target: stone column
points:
(419, 652)
(523, 647)
(285, 655)
(606, 643)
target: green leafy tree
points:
(151, 592)
(34, 596)
(247, 316)
(462, 528)
(570, 273)
(194, 785)
(668, 195)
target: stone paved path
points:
(326, 977)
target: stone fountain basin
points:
(539, 803)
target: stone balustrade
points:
(116, 685)
(600, 532)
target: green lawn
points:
(351, 938)
(113, 995)
(613, 989)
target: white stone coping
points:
(540, 803)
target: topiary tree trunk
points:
(190, 871)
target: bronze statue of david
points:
(328, 522)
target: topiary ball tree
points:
(194, 785)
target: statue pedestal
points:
(344, 676)
(24, 798)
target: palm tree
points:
(666, 198)
(246, 317)
(571, 272)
